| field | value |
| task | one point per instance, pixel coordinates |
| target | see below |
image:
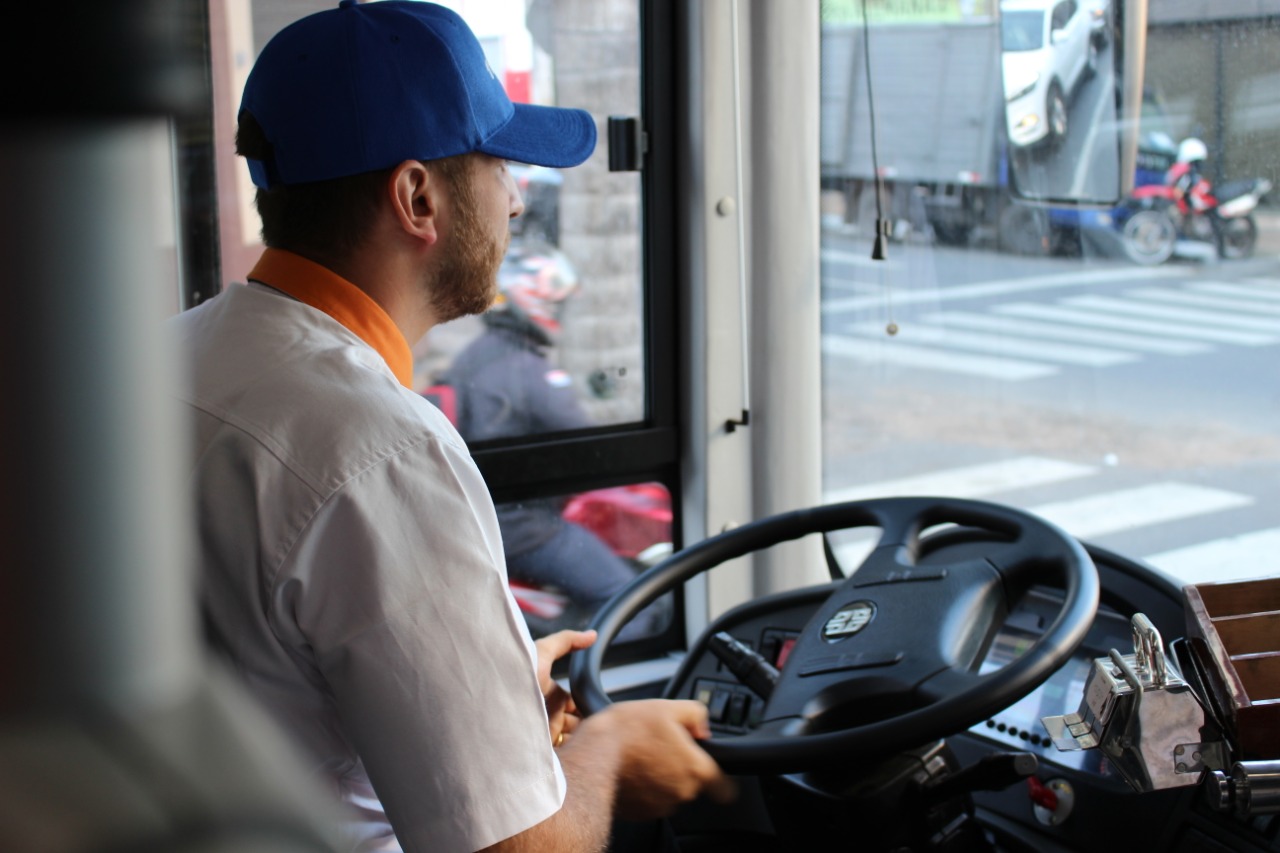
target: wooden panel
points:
(1233, 599)
(1249, 634)
(1232, 630)
(1260, 675)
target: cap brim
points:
(544, 136)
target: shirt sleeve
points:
(398, 589)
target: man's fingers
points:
(722, 789)
(693, 716)
(563, 701)
(558, 701)
(555, 646)
(715, 784)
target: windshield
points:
(1109, 366)
(1021, 30)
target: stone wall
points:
(596, 46)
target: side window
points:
(564, 347)
(1062, 14)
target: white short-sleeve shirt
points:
(352, 569)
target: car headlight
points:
(1010, 97)
(1027, 122)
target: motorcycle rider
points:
(1192, 190)
(505, 385)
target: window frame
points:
(543, 465)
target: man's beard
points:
(466, 282)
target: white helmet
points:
(1192, 150)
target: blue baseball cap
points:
(367, 86)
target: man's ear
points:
(415, 195)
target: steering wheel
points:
(889, 661)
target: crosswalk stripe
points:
(1108, 303)
(1023, 326)
(1156, 503)
(857, 259)
(1231, 558)
(906, 355)
(861, 287)
(1000, 287)
(1250, 292)
(1182, 297)
(1059, 313)
(1270, 284)
(1004, 346)
(1084, 518)
(971, 481)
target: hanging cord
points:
(878, 249)
(743, 300)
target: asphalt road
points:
(1137, 407)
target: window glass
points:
(1108, 366)
(564, 348)
(567, 555)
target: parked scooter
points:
(1186, 207)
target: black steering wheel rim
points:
(902, 520)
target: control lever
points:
(748, 665)
(993, 772)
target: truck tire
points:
(1237, 237)
(1149, 236)
(951, 233)
(1025, 230)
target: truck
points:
(941, 161)
(930, 95)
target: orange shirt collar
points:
(326, 291)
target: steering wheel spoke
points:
(890, 660)
(946, 683)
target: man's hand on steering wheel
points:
(562, 714)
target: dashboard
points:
(1018, 726)
(1093, 803)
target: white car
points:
(1048, 51)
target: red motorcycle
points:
(633, 520)
(1187, 207)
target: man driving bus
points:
(351, 562)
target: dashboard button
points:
(719, 704)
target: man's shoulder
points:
(309, 396)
